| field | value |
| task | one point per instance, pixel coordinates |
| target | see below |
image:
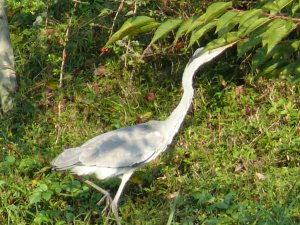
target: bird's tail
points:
(67, 159)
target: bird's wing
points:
(67, 159)
(124, 147)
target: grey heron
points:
(120, 152)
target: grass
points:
(235, 161)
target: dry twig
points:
(64, 54)
(115, 18)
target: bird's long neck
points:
(177, 116)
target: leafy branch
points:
(267, 32)
(271, 16)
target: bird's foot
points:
(110, 207)
(107, 207)
(110, 204)
(114, 209)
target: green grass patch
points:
(235, 161)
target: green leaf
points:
(277, 31)
(256, 24)
(46, 195)
(296, 45)
(225, 20)
(202, 198)
(226, 39)
(249, 15)
(270, 67)
(285, 49)
(283, 3)
(281, 51)
(216, 9)
(144, 29)
(218, 206)
(259, 57)
(295, 8)
(247, 20)
(228, 199)
(56, 186)
(136, 21)
(247, 44)
(42, 187)
(255, 38)
(196, 23)
(105, 12)
(250, 21)
(276, 6)
(199, 33)
(291, 69)
(259, 31)
(10, 159)
(129, 26)
(229, 27)
(165, 28)
(271, 7)
(35, 197)
(184, 26)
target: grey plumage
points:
(120, 152)
(67, 159)
(126, 147)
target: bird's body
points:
(120, 152)
(113, 153)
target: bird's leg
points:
(106, 194)
(109, 202)
(114, 204)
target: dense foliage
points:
(236, 160)
(269, 33)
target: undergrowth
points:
(235, 160)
